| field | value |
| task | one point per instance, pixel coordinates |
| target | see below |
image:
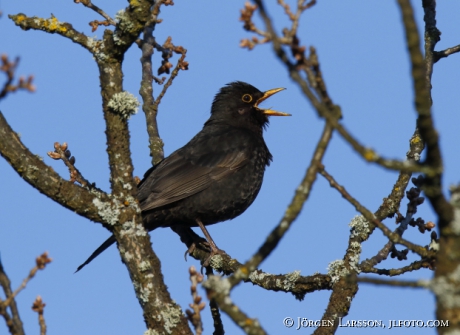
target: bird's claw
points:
(190, 250)
(213, 253)
(193, 246)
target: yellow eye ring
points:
(247, 98)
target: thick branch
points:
(133, 240)
(42, 177)
(54, 26)
(291, 282)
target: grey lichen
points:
(131, 228)
(145, 265)
(151, 332)
(129, 200)
(336, 269)
(290, 280)
(257, 276)
(353, 256)
(128, 256)
(359, 227)
(98, 52)
(171, 315)
(91, 42)
(218, 285)
(124, 21)
(391, 205)
(117, 39)
(144, 292)
(216, 261)
(107, 211)
(124, 104)
(447, 289)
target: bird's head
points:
(237, 104)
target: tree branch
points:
(42, 177)
(420, 75)
(13, 322)
(395, 283)
(87, 3)
(393, 237)
(445, 53)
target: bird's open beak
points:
(266, 95)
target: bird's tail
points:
(98, 251)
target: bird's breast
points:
(223, 200)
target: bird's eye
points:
(247, 98)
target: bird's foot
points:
(190, 250)
(197, 240)
(207, 245)
(214, 252)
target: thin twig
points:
(394, 237)
(61, 152)
(89, 4)
(194, 315)
(218, 288)
(397, 283)
(413, 194)
(39, 307)
(13, 322)
(424, 263)
(41, 262)
(445, 53)
(9, 69)
(215, 313)
(181, 65)
(150, 105)
(146, 89)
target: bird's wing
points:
(178, 177)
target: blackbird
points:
(217, 175)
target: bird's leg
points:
(214, 249)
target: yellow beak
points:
(266, 95)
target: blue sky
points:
(365, 64)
